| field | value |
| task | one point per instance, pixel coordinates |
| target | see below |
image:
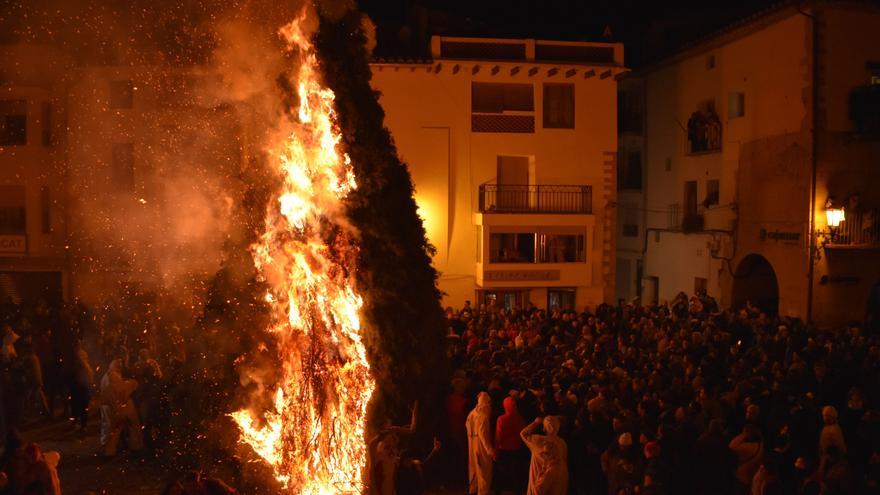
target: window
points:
(123, 166)
(736, 105)
(559, 106)
(690, 197)
(563, 299)
(46, 124)
(13, 122)
(712, 193)
(492, 104)
(562, 248)
(12, 210)
(121, 94)
(512, 248)
(500, 98)
(692, 221)
(541, 247)
(508, 299)
(673, 217)
(45, 210)
(629, 174)
(629, 111)
(704, 129)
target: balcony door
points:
(690, 198)
(513, 182)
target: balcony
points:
(687, 222)
(501, 198)
(859, 229)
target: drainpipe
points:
(814, 104)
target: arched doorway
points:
(755, 281)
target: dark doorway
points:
(503, 298)
(513, 182)
(755, 281)
(690, 198)
(562, 299)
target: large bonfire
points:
(312, 435)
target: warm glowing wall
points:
(773, 82)
(765, 162)
(37, 74)
(428, 109)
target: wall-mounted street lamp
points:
(833, 217)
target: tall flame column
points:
(313, 435)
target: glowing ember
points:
(314, 435)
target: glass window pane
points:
(559, 106)
(562, 248)
(13, 122)
(512, 248)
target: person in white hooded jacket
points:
(548, 472)
(118, 411)
(481, 452)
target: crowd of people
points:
(667, 399)
(57, 362)
(675, 398)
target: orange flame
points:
(314, 435)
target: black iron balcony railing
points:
(860, 228)
(501, 198)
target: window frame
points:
(506, 100)
(740, 104)
(14, 115)
(546, 103)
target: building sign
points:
(13, 244)
(520, 275)
(780, 236)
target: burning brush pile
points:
(313, 435)
(345, 263)
(267, 207)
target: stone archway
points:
(755, 281)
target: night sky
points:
(181, 28)
(405, 25)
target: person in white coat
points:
(481, 452)
(118, 412)
(548, 472)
